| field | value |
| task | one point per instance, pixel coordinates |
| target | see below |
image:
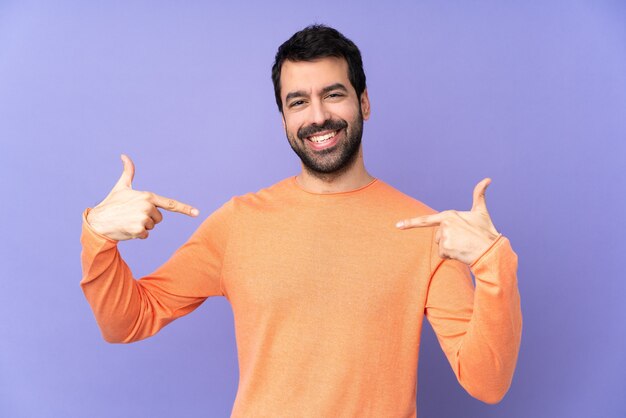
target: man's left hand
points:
(462, 236)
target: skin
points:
(460, 235)
(126, 213)
(314, 106)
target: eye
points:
(296, 103)
(334, 95)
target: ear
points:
(282, 119)
(365, 105)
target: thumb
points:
(126, 179)
(479, 203)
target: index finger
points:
(173, 205)
(421, 221)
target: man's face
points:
(322, 116)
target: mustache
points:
(328, 125)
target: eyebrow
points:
(302, 93)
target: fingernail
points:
(195, 212)
(400, 224)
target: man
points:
(329, 273)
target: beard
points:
(334, 160)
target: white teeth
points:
(322, 138)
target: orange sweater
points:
(328, 298)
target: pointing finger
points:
(421, 221)
(173, 205)
(478, 201)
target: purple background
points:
(532, 94)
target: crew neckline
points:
(345, 192)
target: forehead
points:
(312, 76)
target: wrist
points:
(485, 249)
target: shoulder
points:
(273, 196)
(394, 199)
(245, 206)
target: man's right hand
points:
(126, 213)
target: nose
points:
(319, 113)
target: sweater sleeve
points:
(127, 309)
(478, 327)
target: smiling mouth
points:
(321, 138)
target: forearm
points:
(487, 354)
(118, 302)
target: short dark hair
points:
(319, 41)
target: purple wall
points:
(532, 94)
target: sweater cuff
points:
(498, 264)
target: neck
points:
(351, 177)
